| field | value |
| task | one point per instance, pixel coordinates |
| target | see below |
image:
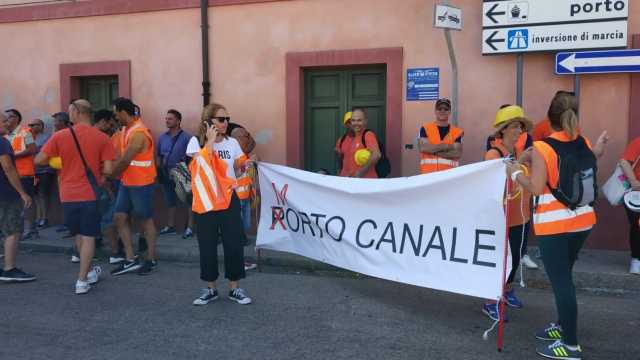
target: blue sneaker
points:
(560, 351)
(493, 311)
(512, 300)
(552, 333)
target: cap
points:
(347, 117)
(443, 101)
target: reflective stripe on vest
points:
(439, 161)
(141, 170)
(203, 170)
(431, 163)
(552, 217)
(145, 164)
(24, 164)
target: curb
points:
(616, 282)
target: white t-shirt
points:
(228, 150)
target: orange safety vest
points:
(244, 183)
(24, 165)
(519, 146)
(116, 142)
(210, 186)
(518, 206)
(550, 216)
(431, 163)
(141, 170)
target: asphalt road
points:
(294, 316)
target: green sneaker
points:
(558, 350)
(552, 333)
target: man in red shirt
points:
(358, 137)
(79, 183)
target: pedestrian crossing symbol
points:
(518, 39)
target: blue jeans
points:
(169, 192)
(136, 200)
(245, 213)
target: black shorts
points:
(45, 183)
(28, 185)
(82, 218)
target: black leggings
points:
(515, 242)
(209, 226)
(634, 233)
(559, 253)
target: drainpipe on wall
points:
(204, 25)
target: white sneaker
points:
(115, 260)
(82, 287)
(635, 267)
(530, 264)
(94, 274)
(75, 259)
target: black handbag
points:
(102, 199)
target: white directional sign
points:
(546, 25)
(598, 62)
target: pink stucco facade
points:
(249, 44)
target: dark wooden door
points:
(99, 90)
(328, 94)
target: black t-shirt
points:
(444, 130)
(7, 192)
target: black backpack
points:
(578, 168)
(383, 166)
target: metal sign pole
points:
(576, 89)
(455, 104)
(519, 78)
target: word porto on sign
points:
(598, 62)
(379, 227)
(519, 26)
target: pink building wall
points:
(248, 46)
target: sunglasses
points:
(34, 125)
(221, 118)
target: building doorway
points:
(328, 94)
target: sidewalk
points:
(597, 270)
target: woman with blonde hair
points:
(216, 157)
(561, 223)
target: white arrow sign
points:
(571, 63)
(598, 62)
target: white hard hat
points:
(632, 200)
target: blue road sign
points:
(598, 62)
(423, 84)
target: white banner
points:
(443, 231)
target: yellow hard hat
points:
(55, 162)
(347, 117)
(505, 116)
(362, 156)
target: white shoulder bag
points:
(617, 185)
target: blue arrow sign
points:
(598, 62)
